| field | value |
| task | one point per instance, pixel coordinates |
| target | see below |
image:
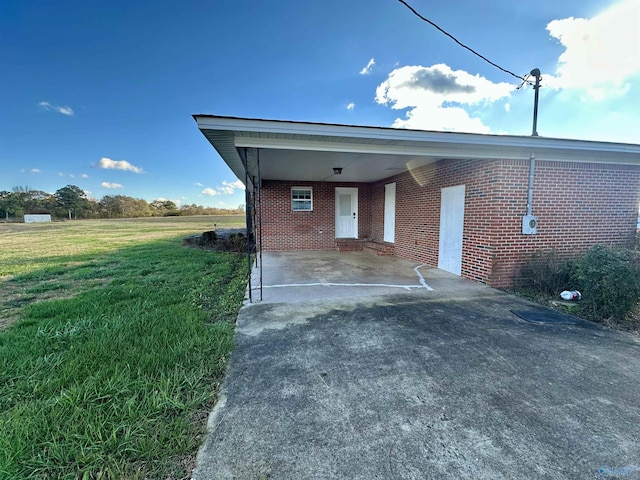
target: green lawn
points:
(113, 343)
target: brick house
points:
(474, 205)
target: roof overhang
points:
(304, 151)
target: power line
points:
(524, 80)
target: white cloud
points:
(436, 97)
(227, 188)
(84, 175)
(35, 170)
(110, 185)
(198, 184)
(601, 53)
(63, 109)
(507, 107)
(72, 175)
(367, 69)
(351, 106)
(109, 164)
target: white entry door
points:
(451, 229)
(390, 212)
(346, 212)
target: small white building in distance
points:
(37, 218)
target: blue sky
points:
(100, 94)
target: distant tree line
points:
(71, 202)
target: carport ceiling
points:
(278, 164)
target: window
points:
(301, 199)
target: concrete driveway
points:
(415, 384)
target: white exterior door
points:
(451, 229)
(390, 212)
(346, 212)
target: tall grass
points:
(113, 361)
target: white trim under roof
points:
(308, 151)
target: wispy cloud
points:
(35, 170)
(109, 164)
(84, 175)
(601, 54)
(63, 109)
(198, 184)
(110, 185)
(227, 188)
(351, 106)
(367, 69)
(439, 98)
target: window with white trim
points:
(301, 199)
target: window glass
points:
(344, 204)
(301, 199)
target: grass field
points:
(113, 342)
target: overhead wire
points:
(524, 80)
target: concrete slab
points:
(412, 386)
(317, 275)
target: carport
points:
(474, 205)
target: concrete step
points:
(348, 245)
(381, 249)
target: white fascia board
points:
(500, 144)
(239, 126)
(451, 151)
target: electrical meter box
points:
(529, 225)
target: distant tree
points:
(72, 198)
(161, 207)
(10, 205)
(110, 206)
(122, 206)
(23, 200)
(138, 207)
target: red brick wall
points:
(577, 205)
(284, 229)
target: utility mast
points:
(536, 87)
